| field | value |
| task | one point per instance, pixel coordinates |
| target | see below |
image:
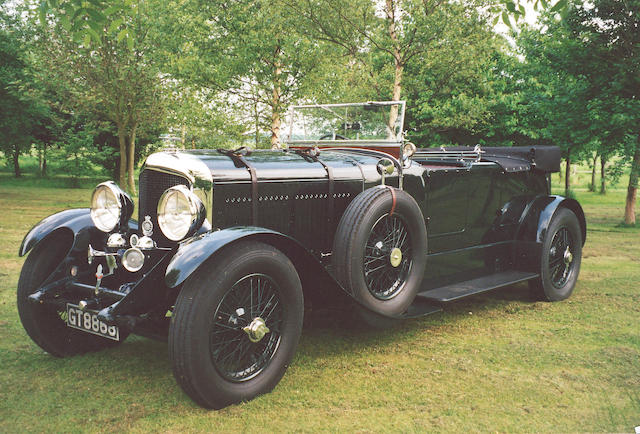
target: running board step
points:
(420, 307)
(476, 286)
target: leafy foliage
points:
(221, 74)
(589, 77)
(25, 114)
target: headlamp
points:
(180, 213)
(110, 206)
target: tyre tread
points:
(193, 296)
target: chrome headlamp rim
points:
(197, 212)
(123, 201)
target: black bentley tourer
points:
(230, 245)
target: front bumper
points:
(126, 299)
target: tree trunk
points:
(397, 91)
(603, 178)
(275, 102)
(592, 186)
(16, 163)
(43, 171)
(567, 175)
(630, 207)
(398, 66)
(40, 159)
(183, 135)
(256, 115)
(131, 160)
(122, 141)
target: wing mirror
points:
(385, 167)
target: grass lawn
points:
(494, 362)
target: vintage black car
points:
(231, 246)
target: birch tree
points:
(249, 51)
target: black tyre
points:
(44, 323)
(560, 259)
(236, 325)
(379, 250)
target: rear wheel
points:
(560, 259)
(236, 325)
(44, 323)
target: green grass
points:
(495, 362)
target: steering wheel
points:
(330, 136)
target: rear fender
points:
(317, 282)
(539, 213)
(534, 224)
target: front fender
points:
(194, 252)
(319, 286)
(76, 221)
(73, 220)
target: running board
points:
(420, 307)
(476, 286)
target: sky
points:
(531, 16)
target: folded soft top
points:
(511, 159)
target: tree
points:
(436, 54)
(611, 30)
(557, 94)
(110, 73)
(459, 87)
(24, 112)
(398, 30)
(594, 52)
(248, 52)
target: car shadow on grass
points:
(341, 330)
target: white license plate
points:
(87, 320)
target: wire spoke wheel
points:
(561, 257)
(387, 257)
(246, 328)
(379, 252)
(236, 324)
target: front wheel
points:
(560, 259)
(236, 325)
(44, 323)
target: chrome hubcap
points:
(256, 330)
(568, 256)
(395, 257)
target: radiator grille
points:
(152, 185)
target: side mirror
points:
(385, 167)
